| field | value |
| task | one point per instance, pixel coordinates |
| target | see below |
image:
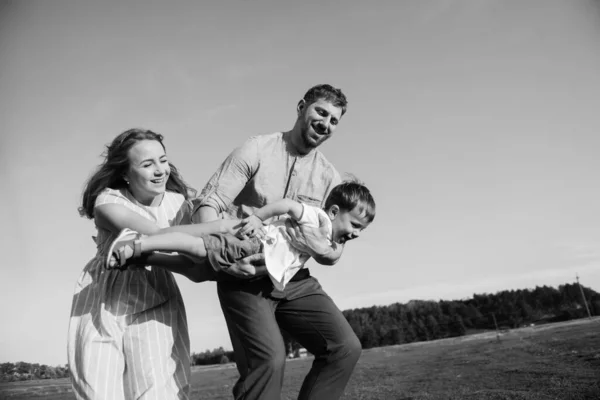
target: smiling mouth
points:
(318, 130)
(157, 181)
(342, 240)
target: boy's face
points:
(346, 225)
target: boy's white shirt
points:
(281, 259)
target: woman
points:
(128, 333)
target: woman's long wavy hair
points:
(110, 173)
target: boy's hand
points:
(252, 226)
(230, 226)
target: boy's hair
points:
(328, 93)
(351, 194)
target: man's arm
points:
(314, 241)
(228, 181)
(224, 186)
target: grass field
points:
(558, 361)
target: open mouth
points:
(158, 181)
(318, 129)
(343, 239)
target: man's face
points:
(319, 121)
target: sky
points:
(474, 123)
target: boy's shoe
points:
(123, 248)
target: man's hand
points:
(249, 267)
(313, 241)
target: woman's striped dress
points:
(128, 335)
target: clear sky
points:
(474, 122)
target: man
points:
(264, 169)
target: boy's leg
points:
(310, 316)
(174, 241)
(196, 271)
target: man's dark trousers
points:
(254, 310)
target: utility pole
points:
(497, 331)
(583, 297)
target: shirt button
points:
(294, 173)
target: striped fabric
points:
(128, 334)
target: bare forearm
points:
(204, 228)
(205, 214)
(280, 207)
(174, 242)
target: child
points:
(349, 209)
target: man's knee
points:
(352, 348)
(347, 351)
(273, 361)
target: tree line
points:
(417, 320)
(420, 320)
(20, 371)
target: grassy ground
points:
(558, 361)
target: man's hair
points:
(328, 93)
(351, 194)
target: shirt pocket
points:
(311, 201)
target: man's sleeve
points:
(231, 177)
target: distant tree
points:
(224, 359)
(433, 327)
(369, 338)
(457, 326)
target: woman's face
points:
(148, 171)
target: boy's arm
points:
(253, 223)
(280, 207)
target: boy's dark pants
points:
(254, 311)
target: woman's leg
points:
(95, 350)
(157, 352)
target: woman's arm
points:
(116, 217)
